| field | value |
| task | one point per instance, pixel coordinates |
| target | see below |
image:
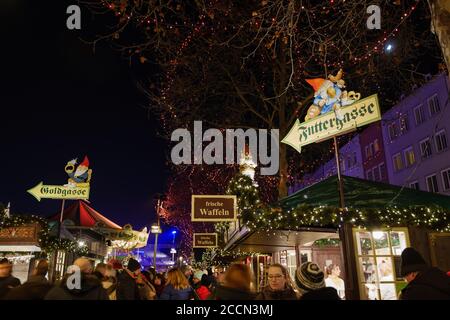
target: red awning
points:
(85, 216)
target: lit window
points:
(376, 146)
(441, 141)
(432, 183)
(409, 156)
(379, 262)
(397, 161)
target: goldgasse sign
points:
(205, 240)
(213, 208)
(325, 126)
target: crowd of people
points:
(112, 281)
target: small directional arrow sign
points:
(59, 192)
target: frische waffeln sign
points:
(214, 208)
(205, 240)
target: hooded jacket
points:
(430, 284)
(36, 288)
(90, 289)
(268, 294)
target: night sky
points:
(61, 101)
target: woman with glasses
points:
(280, 286)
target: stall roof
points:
(84, 216)
(363, 194)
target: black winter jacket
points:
(431, 284)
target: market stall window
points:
(378, 258)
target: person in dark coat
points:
(127, 287)
(37, 286)
(159, 283)
(424, 282)
(280, 285)
(311, 284)
(7, 281)
(236, 284)
(90, 287)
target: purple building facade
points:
(351, 163)
(415, 135)
(373, 153)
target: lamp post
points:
(156, 230)
(173, 251)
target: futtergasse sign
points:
(327, 125)
(205, 240)
(212, 208)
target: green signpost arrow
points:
(59, 192)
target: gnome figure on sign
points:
(81, 176)
(329, 95)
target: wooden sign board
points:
(214, 208)
(23, 235)
(205, 240)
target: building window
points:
(414, 185)
(425, 148)
(397, 161)
(351, 160)
(376, 174)
(441, 141)
(376, 146)
(419, 115)
(409, 156)
(369, 175)
(432, 183)
(369, 151)
(433, 105)
(392, 128)
(382, 169)
(404, 127)
(446, 179)
(342, 164)
(378, 260)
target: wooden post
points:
(346, 236)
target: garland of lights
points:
(47, 242)
(218, 258)
(435, 218)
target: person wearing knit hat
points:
(310, 281)
(133, 265)
(424, 282)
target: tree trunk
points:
(440, 19)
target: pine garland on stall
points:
(47, 242)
